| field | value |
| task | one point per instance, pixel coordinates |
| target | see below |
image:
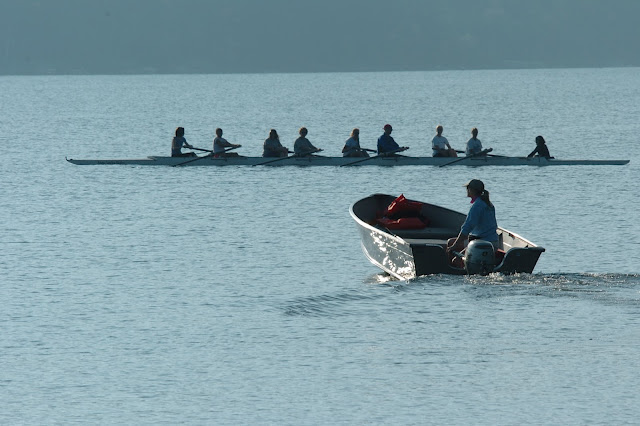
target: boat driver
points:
(481, 221)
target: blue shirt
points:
(386, 144)
(481, 222)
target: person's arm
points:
(226, 144)
(465, 230)
(443, 151)
(458, 244)
(394, 144)
(533, 152)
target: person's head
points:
(303, 131)
(439, 129)
(355, 133)
(475, 189)
(179, 132)
(540, 140)
(474, 132)
(273, 134)
(387, 128)
(219, 131)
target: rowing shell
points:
(398, 160)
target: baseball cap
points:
(475, 184)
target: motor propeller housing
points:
(480, 257)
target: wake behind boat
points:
(317, 160)
(408, 253)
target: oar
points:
(483, 152)
(204, 156)
(505, 156)
(384, 154)
(490, 155)
(284, 158)
(200, 149)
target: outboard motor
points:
(480, 257)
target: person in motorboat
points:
(440, 145)
(221, 146)
(480, 223)
(541, 149)
(272, 146)
(352, 146)
(474, 146)
(386, 144)
(178, 143)
(302, 147)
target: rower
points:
(440, 145)
(474, 146)
(302, 147)
(221, 146)
(352, 146)
(178, 142)
(272, 146)
(386, 144)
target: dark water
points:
(240, 295)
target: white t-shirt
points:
(439, 142)
(474, 146)
(351, 144)
(219, 144)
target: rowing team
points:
(302, 147)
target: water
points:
(203, 295)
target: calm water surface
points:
(141, 295)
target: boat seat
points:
(427, 233)
(432, 241)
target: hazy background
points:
(226, 36)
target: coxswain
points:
(541, 149)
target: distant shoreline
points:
(158, 72)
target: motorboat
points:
(412, 242)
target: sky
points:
(254, 36)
